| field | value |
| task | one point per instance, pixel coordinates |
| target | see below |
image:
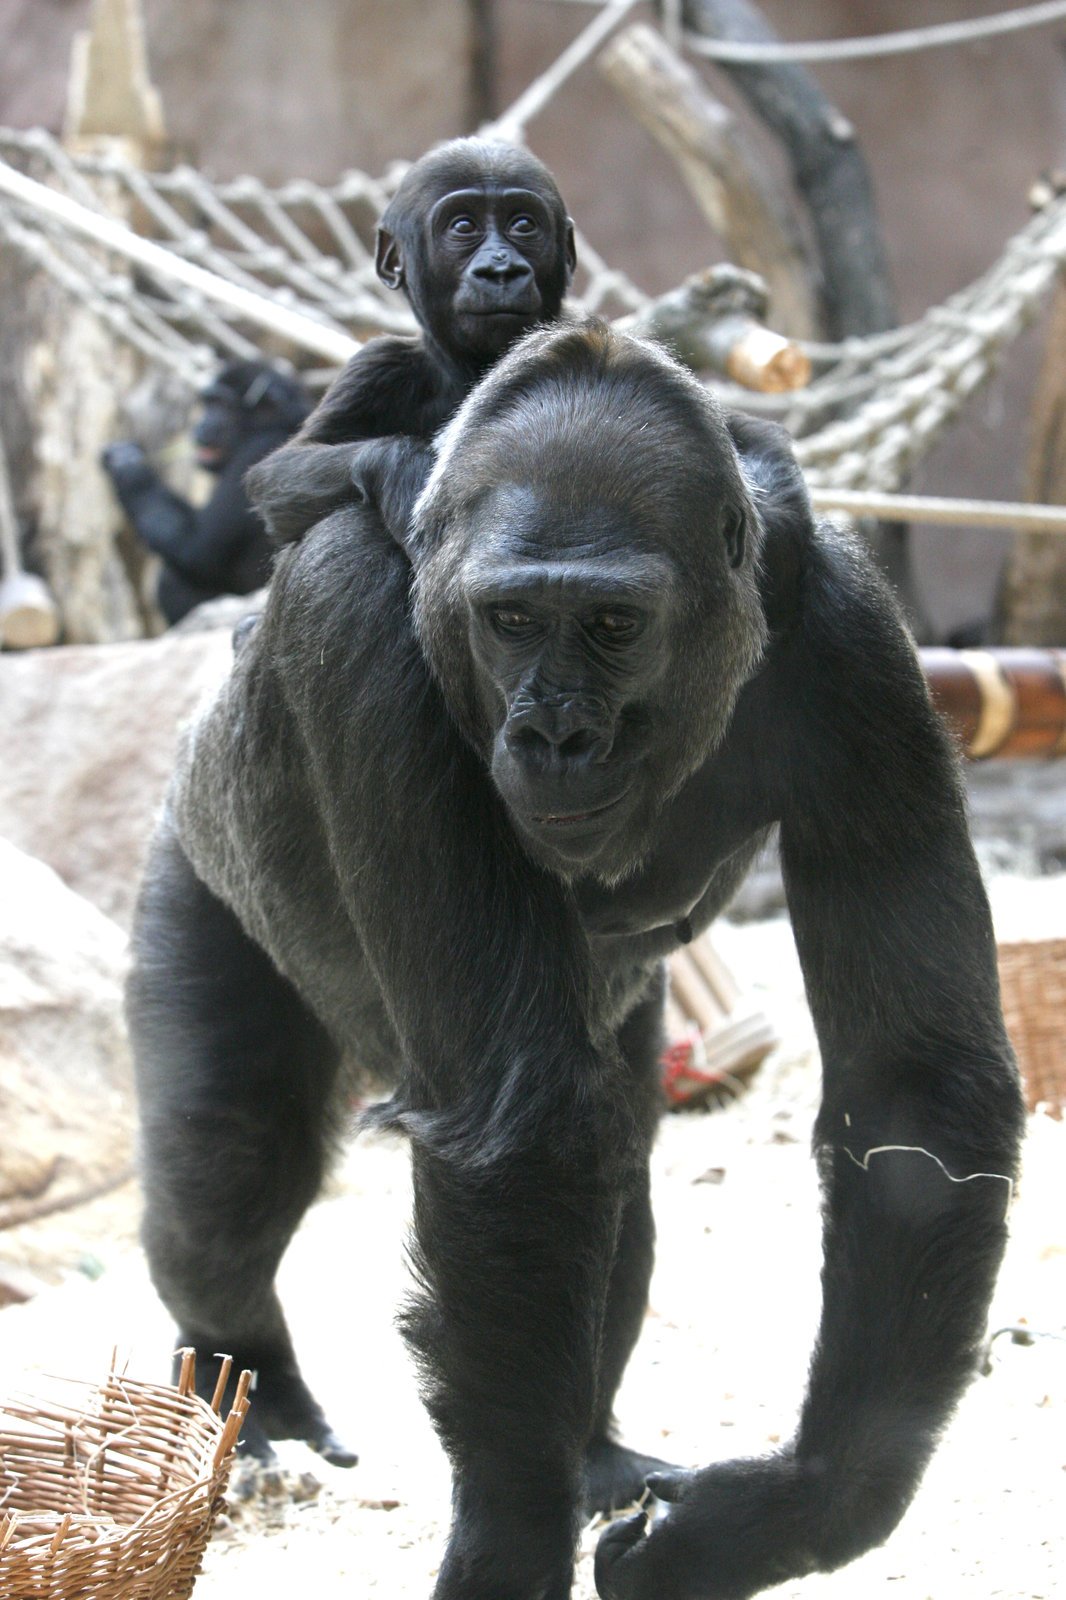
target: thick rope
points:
(296, 260)
(902, 41)
(1021, 516)
(332, 343)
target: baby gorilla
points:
(478, 238)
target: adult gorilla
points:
(452, 809)
(478, 238)
(249, 409)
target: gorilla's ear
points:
(771, 469)
(388, 261)
(733, 525)
(388, 475)
(570, 250)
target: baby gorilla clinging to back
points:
(478, 238)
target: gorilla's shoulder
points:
(384, 389)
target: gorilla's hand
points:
(732, 1530)
(125, 463)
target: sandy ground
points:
(718, 1372)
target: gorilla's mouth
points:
(570, 819)
(520, 302)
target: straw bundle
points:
(113, 1495)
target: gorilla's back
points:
(242, 811)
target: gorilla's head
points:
(246, 398)
(585, 590)
(478, 238)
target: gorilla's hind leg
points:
(235, 1080)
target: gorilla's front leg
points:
(732, 1530)
(910, 1255)
(301, 484)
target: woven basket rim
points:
(34, 1536)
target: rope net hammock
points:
(875, 404)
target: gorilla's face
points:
(478, 238)
(585, 593)
(569, 636)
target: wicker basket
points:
(1033, 981)
(111, 1493)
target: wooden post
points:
(78, 373)
(827, 168)
(1032, 601)
(725, 173)
(110, 94)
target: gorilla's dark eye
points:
(523, 225)
(463, 226)
(615, 627)
(508, 620)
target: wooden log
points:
(716, 1037)
(757, 358)
(1004, 702)
(724, 171)
(713, 322)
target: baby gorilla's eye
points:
(523, 225)
(462, 226)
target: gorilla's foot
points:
(287, 1409)
(283, 1407)
(615, 1476)
(332, 1449)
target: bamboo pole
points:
(940, 509)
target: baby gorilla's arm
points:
(300, 484)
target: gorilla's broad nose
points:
(562, 730)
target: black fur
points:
(471, 773)
(474, 228)
(222, 548)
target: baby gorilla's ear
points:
(388, 260)
(388, 474)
